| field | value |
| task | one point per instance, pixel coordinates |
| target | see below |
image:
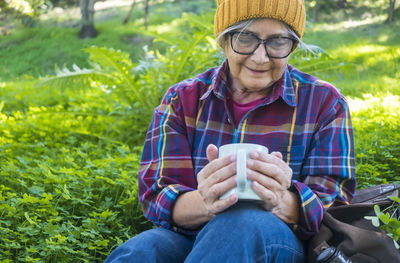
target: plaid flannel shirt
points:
(304, 118)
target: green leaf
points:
(384, 217)
(377, 210)
(29, 219)
(374, 220)
(395, 198)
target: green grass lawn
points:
(371, 50)
(54, 41)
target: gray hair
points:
(223, 38)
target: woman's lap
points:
(155, 245)
(244, 233)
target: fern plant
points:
(135, 89)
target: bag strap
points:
(376, 194)
(364, 201)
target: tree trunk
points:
(87, 11)
(392, 5)
(128, 16)
(146, 14)
(342, 4)
(316, 11)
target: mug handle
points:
(241, 177)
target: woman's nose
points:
(260, 55)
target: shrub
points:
(64, 196)
(377, 139)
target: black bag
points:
(345, 229)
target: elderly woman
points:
(255, 96)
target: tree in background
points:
(354, 8)
(128, 16)
(392, 10)
(87, 11)
(146, 13)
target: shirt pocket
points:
(294, 156)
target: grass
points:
(371, 50)
(36, 51)
(54, 41)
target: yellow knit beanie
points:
(230, 12)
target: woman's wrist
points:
(288, 210)
(189, 211)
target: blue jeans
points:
(243, 233)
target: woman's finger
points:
(273, 158)
(214, 166)
(222, 205)
(264, 180)
(272, 171)
(268, 196)
(216, 190)
(212, 152)
(277, 154)
(219, 176)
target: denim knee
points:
(246, 233)
(155, 245)
(249, 218)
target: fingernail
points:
(234, 198)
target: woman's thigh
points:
(246, 233)
(155, 245)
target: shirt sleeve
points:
(329, 170)
(166, 168)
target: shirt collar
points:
(283, 88)
(219, 82)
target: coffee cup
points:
(242, 151)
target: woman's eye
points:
(246, 38)
(278, 42)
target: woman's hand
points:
(216, 178)
(271, 178)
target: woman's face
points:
(257, 72)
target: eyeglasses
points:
(246, 43)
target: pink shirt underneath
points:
(239, 110)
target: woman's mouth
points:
(257, 71)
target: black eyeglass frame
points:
(264, 41)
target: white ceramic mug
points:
(242, 151)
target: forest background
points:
(74, 110)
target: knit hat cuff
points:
(230, 12)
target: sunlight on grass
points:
(348, 24)
(383, 38)
(359, 50)
(389, 103)
(375, 68)
(369, 55)
(165, 27)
